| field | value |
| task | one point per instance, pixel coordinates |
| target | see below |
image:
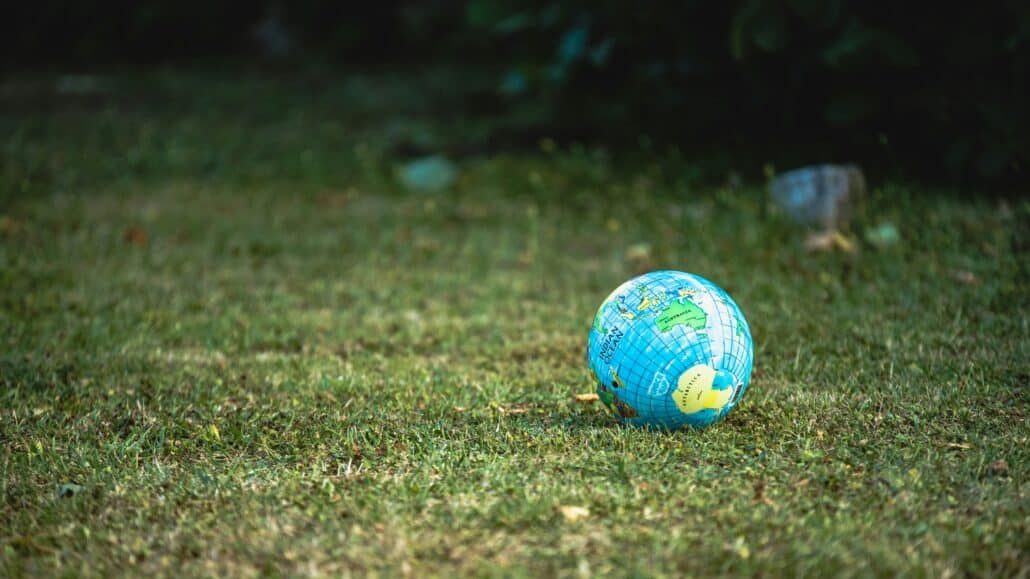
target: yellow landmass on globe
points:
(694, 391)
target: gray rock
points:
(819, 195)
(883, 235)
(428, 174)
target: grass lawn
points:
(232, 344)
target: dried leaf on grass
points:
(572, 514)
(9, 226)
(1000, 467)
(638, 257)
(135, 236)
(828, 241)
(966, 277)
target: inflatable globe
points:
(670, 349)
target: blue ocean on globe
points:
(670, 349)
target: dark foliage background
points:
(934, 90)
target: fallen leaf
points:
(829, 240)
(135, 236)
(1000, 467)
(8, 226)
(966, 277)
(638, 256)
(819, 242)
(572, 514)
(335, 199)
(587, 398)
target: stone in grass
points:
(883, 235)
(819, 195)
(428, 174)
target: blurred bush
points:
(931, 88)
(915, 87)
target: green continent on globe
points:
(682, 312)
